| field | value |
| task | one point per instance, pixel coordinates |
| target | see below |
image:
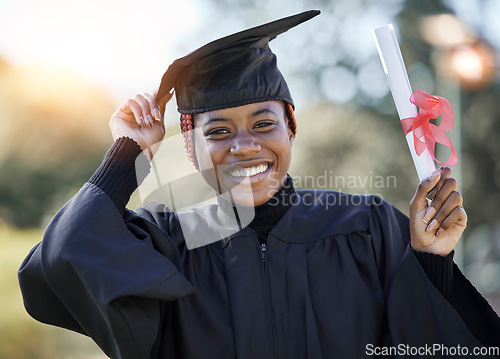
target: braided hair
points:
(187, 126)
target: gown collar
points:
(268, 214)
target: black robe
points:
(334, 282)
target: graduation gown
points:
(334, 281)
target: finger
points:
(137, 111)
(445, 173)
(163, 99)
(457, 217)
(153, 106)
(125, 108)
(448, 187)
(454, 201)
(419, 202)
(145, 108)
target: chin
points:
(244, 199)
(248, 191)
(247, 197)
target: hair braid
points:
(187, 127)
(291, 118)
(187, 132)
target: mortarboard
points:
(232, 71)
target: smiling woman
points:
(314, 274)
(252, 141)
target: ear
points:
(291, 136)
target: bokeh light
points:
(473, 64)
(338, 84)
(124, 45)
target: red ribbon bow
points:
(426, 134)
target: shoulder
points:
(339, 204)
(193, 228)
(322, 213)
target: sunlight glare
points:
(118, 43)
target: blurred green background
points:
(66, 66)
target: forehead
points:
(242, 112)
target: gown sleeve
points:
(417, 312)
(103, 273)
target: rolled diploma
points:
(395, 71)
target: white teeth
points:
(249, 172)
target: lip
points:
(247, 164)
(249, 171)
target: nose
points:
(245, 144)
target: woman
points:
(302, 280)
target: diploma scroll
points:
(395, 71)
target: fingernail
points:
(432, 226)
(141, 119)
(435, 174)
(157, 114)
(438, 233)
(150, 120)
(429, 214)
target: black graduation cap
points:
(232, 71)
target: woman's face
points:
(250, 142)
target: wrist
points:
(121, 171)
(439, 270)
(433, 251)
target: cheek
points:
(286, 156)
(202, 153)
(209, 154)
(284, 143)
(209, 157)
(283, 151)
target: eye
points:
(264, 125)
(217, 132)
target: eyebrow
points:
(253, 114)
(216, 119)
(260, 112)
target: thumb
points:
(163, 99)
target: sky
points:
(126, 45)
(482, 15)
(103, 41)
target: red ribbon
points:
(426, 134)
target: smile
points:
(250, 171)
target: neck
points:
(268, 214)
(264, 217)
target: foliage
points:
(53, 136)
(20, 336)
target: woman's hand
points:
(437, 227)
(140, 119)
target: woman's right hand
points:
(141, 119)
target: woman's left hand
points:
(437, 227)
